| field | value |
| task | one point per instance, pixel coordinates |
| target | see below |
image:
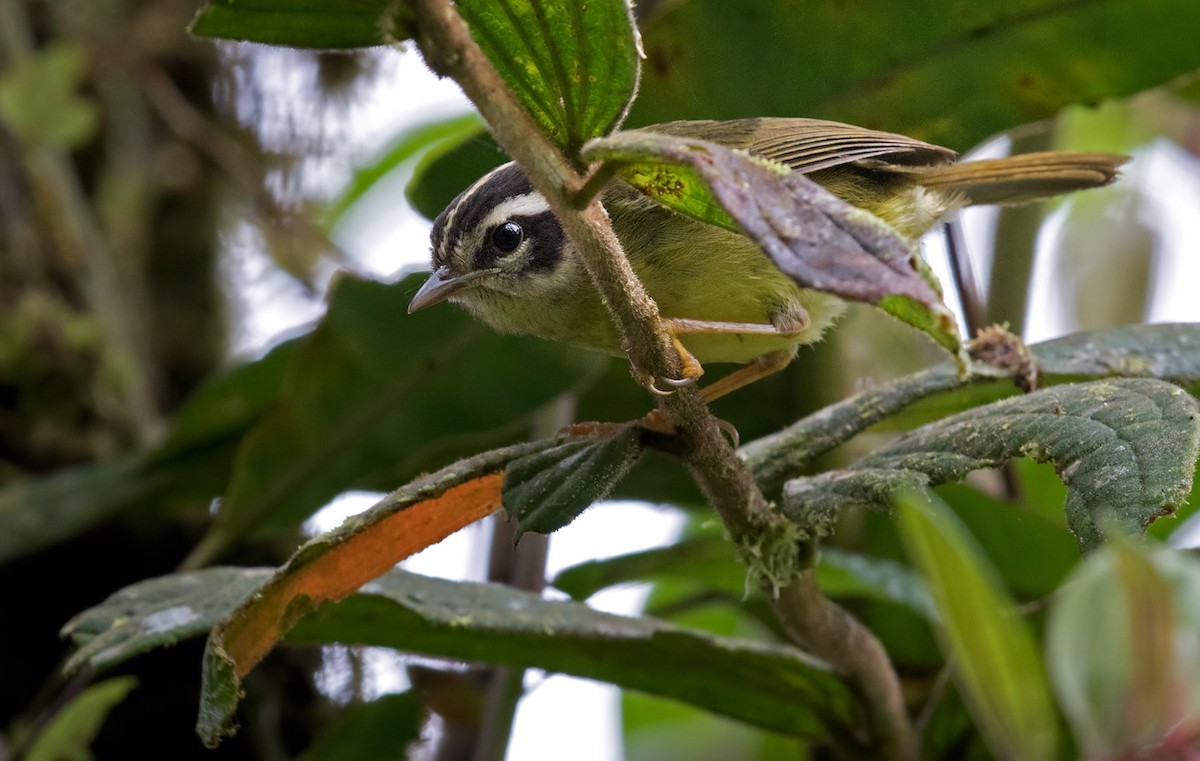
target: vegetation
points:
(857, 600)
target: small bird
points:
(499, 252)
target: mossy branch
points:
(448, 48)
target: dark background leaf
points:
(375, 396)
(305, 23)
(944, 73)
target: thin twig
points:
(724, 479)
(522, 566)
(936, 692)
(962, 276)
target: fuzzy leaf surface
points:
(1126, 449)
(574, 66)
(547, 489)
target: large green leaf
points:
(434, 137)
(322, 24)
(710, 561)
(191, 466)
(951, 73)
(954, 74)
(41, 512)
(1170, 352)
(449, 169)
(1126, 448)
(332, 566)
(157, 613)
(574, 66)
(772, 686)
(547, 489)
(374, 396)
(1032, 551)
(996, 660)
(812, 236)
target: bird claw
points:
(677, 382)
(691, 372)
(674, 383)
(728, 429)
(653, 388)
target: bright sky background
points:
(564, 717)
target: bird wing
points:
(809, 145)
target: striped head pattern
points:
(497, 236)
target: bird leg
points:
(766, 364)
(763, 366)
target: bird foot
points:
(692, 371)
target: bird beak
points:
(441, 283)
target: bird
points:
(500, 253)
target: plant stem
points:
(725, 480)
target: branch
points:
(760, 533)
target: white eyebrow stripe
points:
(462, 202)
(525, 205)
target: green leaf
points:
(334, 565)
(574, 66)
(40, 101)
(952, 74)
(322, 24)
(375, 396)
(1170, 352)
(191, 466)
(997, 662)
(768, 685)
(228, 403)
(379, 730)
(1123, 646)
(1011, 535)
(448, 169)
(771, 686)
(711, 561)
(547, 489)
(687, 559)
(41, 512)
(849, 574)
(1126, 449)
(948, 73)
(156, 613)
(70, 734)
(818, 240)
(433, 138)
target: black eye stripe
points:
(472, 206)
(545, 237)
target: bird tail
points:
(1024, 178)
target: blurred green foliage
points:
(126, 445)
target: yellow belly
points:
(728, 279)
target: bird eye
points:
(507, 237)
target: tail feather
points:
(1024, 178)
